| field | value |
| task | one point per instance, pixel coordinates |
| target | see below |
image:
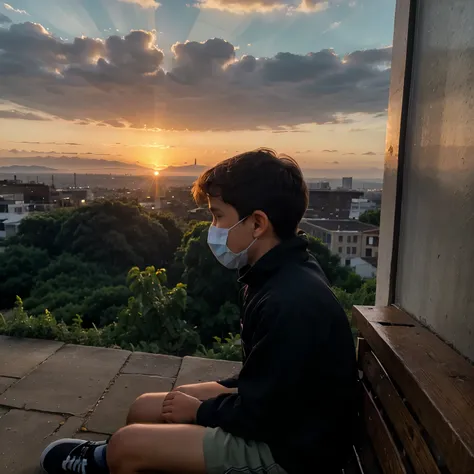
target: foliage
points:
(41, 229)
(229, 348)
(152, 321)
(174, 230)
(364, 296)
(69, 286)
(19, 267)
(338, 275)
(213, 291)
(155, 314)
(371, 217)
(45, 326)
(115, 234)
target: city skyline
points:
(162, 84)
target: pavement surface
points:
(50, 390)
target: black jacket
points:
(297, 387)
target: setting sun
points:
(156, 173)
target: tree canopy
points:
(371, 217)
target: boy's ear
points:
(261, 223)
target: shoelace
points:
(77, 463)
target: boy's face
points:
(224, 216)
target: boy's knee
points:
(135, 412)
(120, 448)
(146, 409)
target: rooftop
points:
(341, 225)
(50, 390)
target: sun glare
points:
(156, 173)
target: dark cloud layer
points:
(121, 82)
(4, 19)
(18, 114)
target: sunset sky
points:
(166, 83)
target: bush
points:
(228, 349)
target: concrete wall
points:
(435, 270)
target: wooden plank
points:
(388, 316)
(384, 446)
(436, 381)
(403, 422)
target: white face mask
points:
(217, 241)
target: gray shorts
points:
(228, 454)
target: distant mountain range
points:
(26, 169)
(64, 164)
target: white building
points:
(12, 212)
(365, 267)
(359, 206)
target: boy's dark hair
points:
(258, 180)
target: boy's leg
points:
(133, 449)
(157, 448)
(147, 407)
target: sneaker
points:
(72, 456)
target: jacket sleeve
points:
(232, 382)
(272, 370)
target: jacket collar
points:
(294, 249)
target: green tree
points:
(154, 317)
(19, 267)
(371, 217)
(173, 229)
(67, 287)
(115, 234)
(213, 291)
(41, 229)
(337, 274)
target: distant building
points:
(12, 212)
(347, 183)
(331, 204)
(359, 206)
(374, 195)
(365, 267)
(347, 238)
(320, 185)
(70, 197)
(34, 193)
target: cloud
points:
(290, 131)
(20, 115)
(143, 3)
(4, 19)
(369, 153)
(313, 5)
(121, 82)
(334, 25)
(114, 123)
(14, 10)
(263, 6)
(51, 143)
(349, 154)
(357, 130)
(329, 151)
(16, 151)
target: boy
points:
(292, 409)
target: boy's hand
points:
(205, 390)
(180, 408)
